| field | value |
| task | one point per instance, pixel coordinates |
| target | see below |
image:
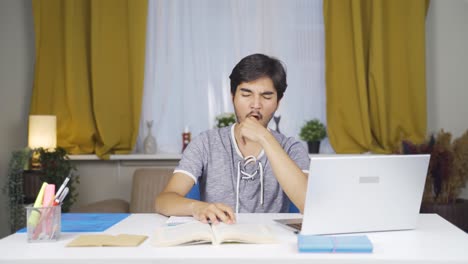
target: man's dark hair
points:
(256, 66)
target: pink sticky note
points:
(49, 195)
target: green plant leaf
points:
(313, 130)
(225, 119)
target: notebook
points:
(362, 193)
(334, 244)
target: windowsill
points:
(162, 156)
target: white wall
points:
(447, 79)
(447, 67)
(16, 77)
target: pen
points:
(63, 195)
(59, 199)
(60, 190)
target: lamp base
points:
(35, 161)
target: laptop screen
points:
(363, 193)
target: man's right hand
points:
(213, 212)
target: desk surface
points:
(434, 241)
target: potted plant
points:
(13, 188)
(55, 167)
(447, 175)
(313, 131)
(224, 120)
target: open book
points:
(196, 232)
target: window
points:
(192, 47)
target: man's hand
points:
(213, 212)
(253, 130)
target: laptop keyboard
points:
(297, 226)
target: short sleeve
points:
(299, 154)
(193, 159)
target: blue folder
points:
(334, 244)
(79, 222)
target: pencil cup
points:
(43, 223)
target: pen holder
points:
(43, 223)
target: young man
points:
(245, 167)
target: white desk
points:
(434, 241)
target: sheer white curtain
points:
(192, 47)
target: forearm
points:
(291, 178)
(171, 203)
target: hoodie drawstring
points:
(247, 176)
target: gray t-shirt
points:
(214, 160)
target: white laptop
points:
(363, 193)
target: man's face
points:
(257, 98)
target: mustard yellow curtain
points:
(89, 71)
(375, 73)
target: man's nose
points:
(256, 102)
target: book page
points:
(189, 233)
(243, 233)
(177, 220)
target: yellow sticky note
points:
(34, 217)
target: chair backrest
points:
(147, 184)
(194, 193)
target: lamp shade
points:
(42, 131)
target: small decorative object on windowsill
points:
(224, 120)
(186, 138)
(277, 120)
(446, 177)
(149, 143)
(313, 131)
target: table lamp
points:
(42, 134)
